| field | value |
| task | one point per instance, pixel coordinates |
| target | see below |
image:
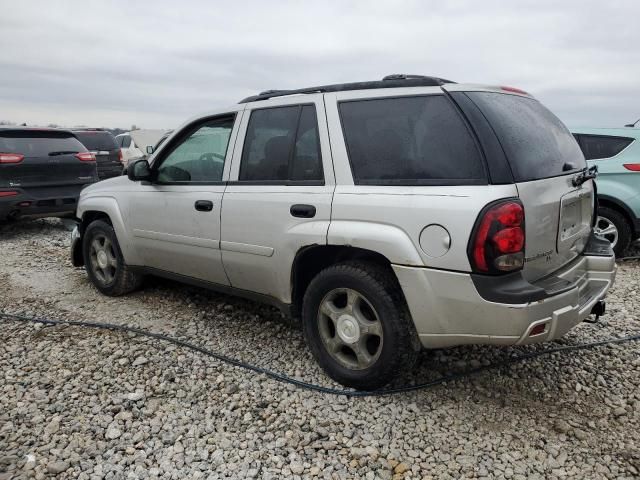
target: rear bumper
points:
(448, 310)
(41, 202)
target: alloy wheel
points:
(350, 328)
(607, 229)
(104, 263)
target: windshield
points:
(94, 140)
(535, 141)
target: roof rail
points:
(390, 81)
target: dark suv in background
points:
(42, 172)
(103, 145)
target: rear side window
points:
(39, 144)
(94, 140)
(535, 141)
(282, 144)
(598, 147)
(409, 141)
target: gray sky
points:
(156, 63)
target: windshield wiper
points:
(584, 175)
(63, 152)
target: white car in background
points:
(133, 145)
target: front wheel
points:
(104, 262)
(613, 226)
(357, 326)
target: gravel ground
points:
(81, 403)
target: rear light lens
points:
(120, 155)
(9, 193)
(497, 242)
(513, 90)
(11, 157)
(86, 157)
(634, 167)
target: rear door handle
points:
(204, 205)
(303, 211)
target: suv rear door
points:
(279, 195)
(544, 158)
(103, 145)
(48, 159)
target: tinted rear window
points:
(536, 142)
(97, 140)
(38, 144)
(409, 141)
(601, 146)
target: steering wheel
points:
(210, 156)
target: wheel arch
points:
(107, 208)
(624, 209)
(311, 259)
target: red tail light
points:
(497, 242)
(9, 193)
(513, 90)
(86, 157)
(11, 157)
(634, 167)
(120, 155)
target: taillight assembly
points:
(497, 241)
(11, 157)
(8, 193)
(86, 157)
(513, 90)
(120, 155)
(634, 167)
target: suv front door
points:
(176, 217)
(279, 195)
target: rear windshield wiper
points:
(63, 152)
(584, 175)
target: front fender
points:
(109, 205)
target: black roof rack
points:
(390, 81)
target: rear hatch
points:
(103, 145)
(544, 159)
(43, 158)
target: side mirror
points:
(149, 149)
(139, 171)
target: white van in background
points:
(133, 144)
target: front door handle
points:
(303, 211)
(204, 205)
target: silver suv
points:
(388, 216)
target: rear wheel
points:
(613, 226)
(104, 262)
(357, 326)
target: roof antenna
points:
(631, 125)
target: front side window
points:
(282, 144)
(599, 147)
(198, 157)
(418, 140)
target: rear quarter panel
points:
(389, 220)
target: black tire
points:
(621, 224)
(379, 287)
(122, 280)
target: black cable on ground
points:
(310, 386)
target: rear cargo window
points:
(38, 144)
(418, 140)
(535, 141)
(599, 147)
(97, 140)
